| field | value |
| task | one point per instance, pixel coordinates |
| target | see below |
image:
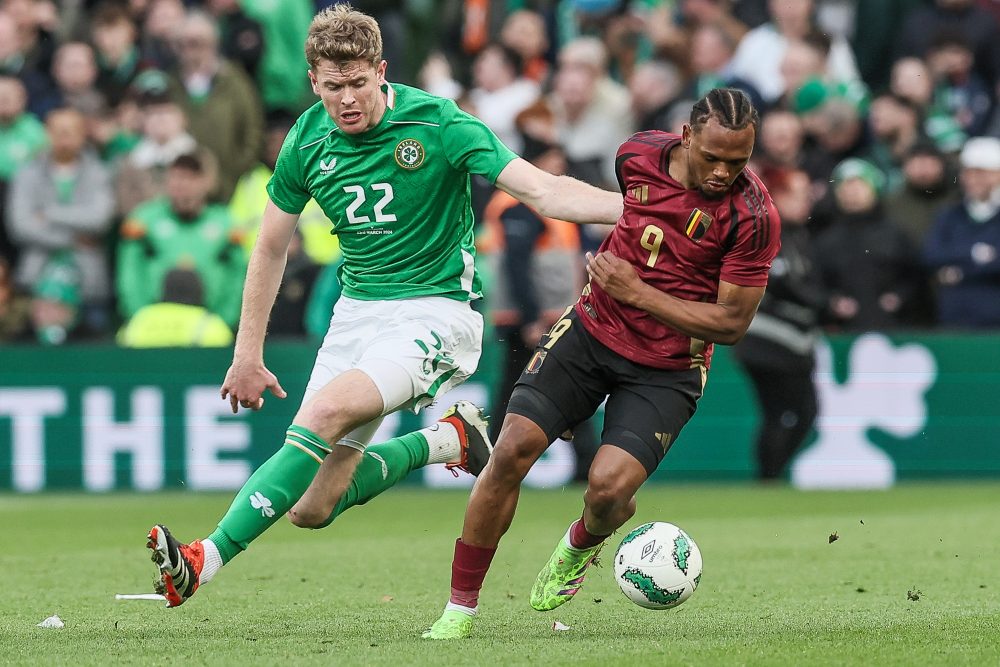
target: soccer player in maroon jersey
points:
(685, 267)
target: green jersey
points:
(19, 142)
(398, 195)
(154, 239)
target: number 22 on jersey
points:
(381, 190)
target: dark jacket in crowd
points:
(964, 255)
(864, 257)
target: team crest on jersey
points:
(409, 154)
(697, 224)
(535, 364)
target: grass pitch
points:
(911, 579)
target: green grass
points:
(775, 591)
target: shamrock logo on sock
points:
(259, 501)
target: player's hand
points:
(245, 384)
(615, 276)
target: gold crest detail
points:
(409, 154)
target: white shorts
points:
(414, 350)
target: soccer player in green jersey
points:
(389, 165)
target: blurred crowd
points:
(136, 138)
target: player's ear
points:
(381, 72)
(686, 135)
(313, 81)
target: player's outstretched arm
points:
(724, 321)
(247, 378)
(560, 197)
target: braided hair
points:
(729, 106)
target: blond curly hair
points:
(342, 34)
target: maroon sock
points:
(581, 538)
(468, 570)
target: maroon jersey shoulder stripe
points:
(765, 228)
(652, 138)
(734, 225)
(753, 197)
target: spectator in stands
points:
(55, 301)
(710, 64)
(876, 27)
(780, 146)
(524, 31)
(809, 79)
(500, 92)
(959, 90)
(14, 62)
(117, 131)
(241, 38)
(963, 245)
(114, 36)
(248, 202)
(911, 80)
(976, 27)
(36, 22)
(895, 129)
(62, 203)
(161, 23)
(181, 230)
(779, 348)
(180, 319)
(281, 76)
(654, 87)
(22, 136)
(928, 186)
(760, 53)
(15, 308)
(866, 261)
(670, 27)
(836, 131)
(142, 173)
(593, 115)
(74, 74)
(437, 78)
(222, 107)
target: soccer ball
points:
(658, 565)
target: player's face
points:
(716, 156)
(351, 93)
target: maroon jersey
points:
(682, 243)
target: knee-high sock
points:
(270, 492)
(381, 467)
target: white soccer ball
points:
(658, 565)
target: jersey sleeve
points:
(757, 235)
(471, 146)
(286, 187)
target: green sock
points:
(381, 467)
(270, 492)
